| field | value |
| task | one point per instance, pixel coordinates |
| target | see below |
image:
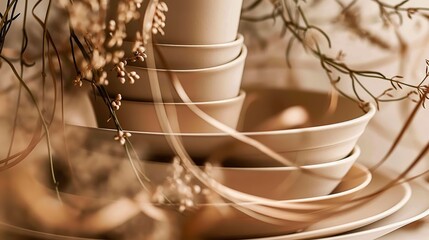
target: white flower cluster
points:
(179, 188)
(101, 44)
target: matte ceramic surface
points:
(183, 57)
(351, 184)
(142, 116)
(415, 209)
(278, 183)
(327, 137)
(196, 22)
(203, 84)
(324, 137)
(386, 204)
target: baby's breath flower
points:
(87, 18)
(122, 136)
(124, 75)
(138, 49)
(139, 52)
(117, 56)
(116, 104)
(78, 81)
(179, 188)
(102, 80)
(158, 22)
(98, 60)
(112, 25)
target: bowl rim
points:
(238, 41)
(309, 200)
(366, 176)
(320, 146)
(353, 156)
(240, 59)
(241, 95)
(363, 172)
(365, 117)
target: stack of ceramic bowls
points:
(324, 143)
(203, 51)
(306, 128)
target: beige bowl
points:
(195, 22)
(328, 137)
(124, 210)
(201, 85)
(323, 137)
(279, 183)
(142, 116)
(184, 57)
(222, 221)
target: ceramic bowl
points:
(223, 221)
(356, 179)
(353, 182)
(185, 57)
(226, 221)
(279, 183)
(124, 210)
(327, 137)
(204, 84)
(142, 116)
(272, 117)
(195, 22)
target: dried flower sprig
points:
(159, 18)
(127, 11)
(301, 31)
(350, 16)
(100, 45)
(97, 47)
(179, 188)
(122, 136)
(6, 20)
(116, 104)
(123, 75)
(389, 11)
(139, 53)
(155, 21)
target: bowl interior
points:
(265, 104)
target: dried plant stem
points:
(41, 117)
(6, 20)
(298, 26)
(24, 45)
(386, 10)
(15, 120)
(404, 129)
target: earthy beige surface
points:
(200, 84)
